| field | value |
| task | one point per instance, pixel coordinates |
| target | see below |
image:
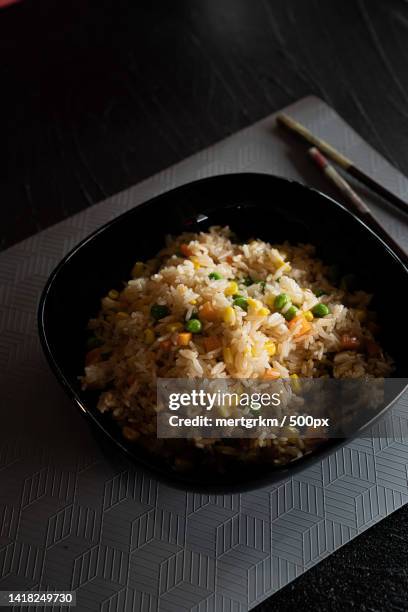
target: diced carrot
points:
(93, 356)
(229, 259)
(165, 345)
(185, 249)
(350, 343)
(184, 338)
(271, 374)
(372, 348)
(300, 322)
(208, 312)
(211, 343)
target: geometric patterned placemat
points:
(74, 519)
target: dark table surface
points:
(96, 96)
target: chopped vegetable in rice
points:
(211, 307)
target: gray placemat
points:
(71, 519)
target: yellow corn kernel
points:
(253, 306)
(122, 315)
(270, 348)
(229, 315)
(137, 269)
(308, 315)
(149, 336)
(296, 386)
(227, 355)
(285, 265)
(360, 314)
(173, 327)
(270, 300)
(196, 263)
(113, 294)
(256, 307)
(231, 289)
(193, 302)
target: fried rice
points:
(209, 306)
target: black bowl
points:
(253, 205)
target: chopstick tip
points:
(283, 119)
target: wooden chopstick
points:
(340, 159)
(358, 204)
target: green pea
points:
(93, 342)
(159, 311)
(290, 313)
(319, 292)
(215, 276)
(241, 302)
(281, 300)
(194, 326)
(320, 310)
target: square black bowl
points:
(253, 205)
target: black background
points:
(95, 96)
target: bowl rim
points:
(178, 480)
